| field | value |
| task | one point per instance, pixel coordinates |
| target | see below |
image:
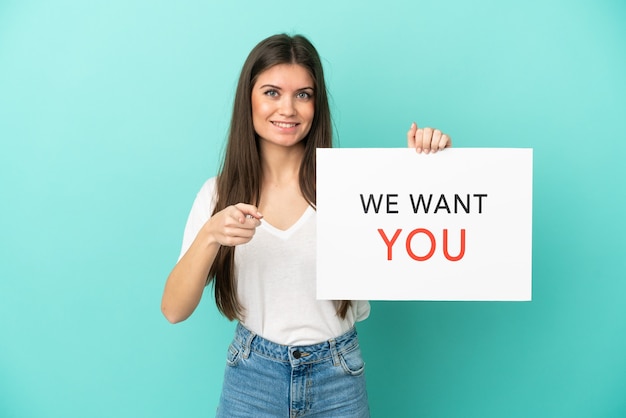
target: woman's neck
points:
(281, 165)
(281, 201)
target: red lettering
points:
(389, 243)
(445, 246)
(432, 244)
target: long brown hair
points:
(239, 179)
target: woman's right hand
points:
(233, 225)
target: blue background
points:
(113, 113)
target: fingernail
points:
(259, 214)
(418, 150)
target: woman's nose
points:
(287, 107)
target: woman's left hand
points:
(427, 139)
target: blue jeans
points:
(265, 379)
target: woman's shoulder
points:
(206, 196)
(209, 186)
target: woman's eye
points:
(271, 93)
(303, 95)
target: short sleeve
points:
(362, 310)
(200, 213)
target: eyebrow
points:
(279, 88)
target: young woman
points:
(251, 231)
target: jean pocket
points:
(234, 354)
(352, 361)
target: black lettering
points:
(370, 200)
(420, 199)
(458, 201)
(442, 204)
(389, 203)
(480, 201)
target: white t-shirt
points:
(276, 273)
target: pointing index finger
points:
(248, 211)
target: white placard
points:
(396, 225)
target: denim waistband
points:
(296, 354)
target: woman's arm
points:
(231, 226)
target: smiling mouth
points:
(284, 124)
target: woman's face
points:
(283, 104)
